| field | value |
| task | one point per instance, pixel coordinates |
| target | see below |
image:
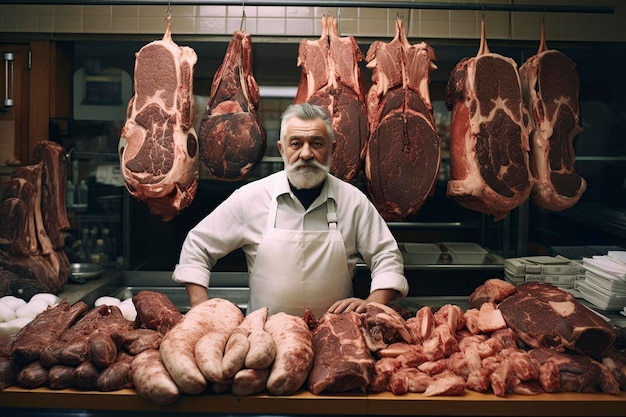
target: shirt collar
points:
(329, 190)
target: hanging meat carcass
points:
(158, 146)
(403, 153)
(550, 85)
(232, 140)
(331, 78)
(489, 134)
(32, 225)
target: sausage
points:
(255, 320)
(209, 353)
(114, 377)
(102, 350)
(85, 376)
(151, 380)
(32, 375)
(294, 353)
(249, 381)
(235, 352)
(60, 377)
(262, 350)
(8, 372)
(178, 345)
(262, 347)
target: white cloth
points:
(292, 267)
(240, 221)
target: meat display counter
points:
(24, 402)
(16, 401)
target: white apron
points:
(299, 269)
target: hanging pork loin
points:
(403, 153)
(158, 146)
(232, 140)
(550, 85)
(331, 78)
(489, 134)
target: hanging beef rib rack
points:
(403, 153)
(158, 146)
(331, 78)
(232, 140)
(550, 86)
(489, 130)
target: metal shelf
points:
(545, 8)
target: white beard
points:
(306, 175)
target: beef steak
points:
(489, 130)
(550, 86)
(543, 315)
(232, 140)
(403, 152)
(158, 146)
(331, 78)
(342, 361)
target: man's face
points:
(306, 152)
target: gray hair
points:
(306, 111)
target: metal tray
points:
(85, 270)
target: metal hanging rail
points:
(545, 8)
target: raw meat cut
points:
(53, 179)
(43, 330)
(567, 372)
(33, 221)
(232, 140)
(382, 325)
(543, 315)
(403, 153)
(331, 78)
(489, 134)
(492, 290)
(158, 146)
(342, 361)
(550, 87)
(155, 311)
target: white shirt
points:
(240, 221)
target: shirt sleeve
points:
(215, 236)
(379, 249)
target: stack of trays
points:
(605, 280)
(556, 270)
(420, 253)
(466, 252)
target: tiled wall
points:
(305, 21)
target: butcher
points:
(302, 231)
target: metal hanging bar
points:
(545, 8)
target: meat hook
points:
(243, 16)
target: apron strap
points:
(331, 214)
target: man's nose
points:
(305, 152)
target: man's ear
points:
(279, 144)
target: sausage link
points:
(151, 380)
(178, 345)
(249, 381)
(262, 350)
(294, 353)
(235, 353)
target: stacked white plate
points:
(604, 285)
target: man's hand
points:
(358, 305)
